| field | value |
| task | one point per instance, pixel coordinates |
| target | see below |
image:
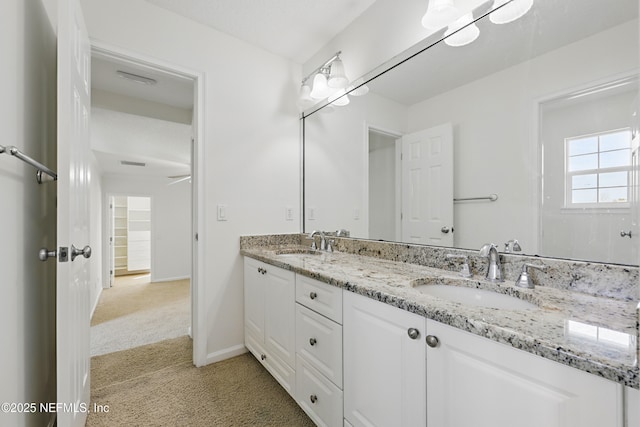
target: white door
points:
(427, 186)
(72, 281)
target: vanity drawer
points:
(320, 297)
(318, 396)
(319, 342)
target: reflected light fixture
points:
(462, 32)
(509, 12)
(440, 13)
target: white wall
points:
(494, 138)
(251, 142)
(170, 221)
(27, 211)
(336, 169)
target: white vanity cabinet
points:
(269, 318)
(473, 381)
(384, 364)
(319, 351)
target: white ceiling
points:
(294, 29)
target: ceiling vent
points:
(129, 163)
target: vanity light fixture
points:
(328, 80)
(440, 13)
(337, 77)
(509, 12)
(462, 32)
(320, 89)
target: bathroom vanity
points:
(355, 340)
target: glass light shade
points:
(320, 88)
(509, 12)
(440, 13)
(304, 98)
(340, 99)
(465, 35)
(337, 77)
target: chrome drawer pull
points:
(313, 341)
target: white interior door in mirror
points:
(427, 186)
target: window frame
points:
(597, 206)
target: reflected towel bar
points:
(491, 197)
(42, 169)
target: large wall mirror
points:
(525, 134)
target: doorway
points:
(172, 176)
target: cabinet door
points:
(384, 368)
(254, 286)
(473, 381)
(279, 315)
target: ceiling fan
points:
(179, 178)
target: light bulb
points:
(509, 12)
(440, 13)
(304, 99)
(462, 32)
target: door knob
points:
(85, 252)
(445, 229)
(44, 254)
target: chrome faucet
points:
(323, 241)
(494, 270)
(512, 246)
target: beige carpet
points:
(136, 312)
(157, 385)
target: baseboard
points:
(95, 303)
(169, 279)
(226, 353)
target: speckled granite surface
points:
(589, 330)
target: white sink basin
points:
(475, 297)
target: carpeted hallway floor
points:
(136, 312)
(157, 385)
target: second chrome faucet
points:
(494, 269)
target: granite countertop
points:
(591, 333)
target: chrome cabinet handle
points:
(432, 341)
(413, 333)
(445, 229)
(313, 341)
(313, 295)
(625, 234)
(44, 254)
(85, 252)
(313, 398)
(263, 356)
(262, 270)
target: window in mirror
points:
(598, 169)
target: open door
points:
(427, 186)
(72, 277)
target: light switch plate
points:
(222, 212)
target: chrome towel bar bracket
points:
(42, 169)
